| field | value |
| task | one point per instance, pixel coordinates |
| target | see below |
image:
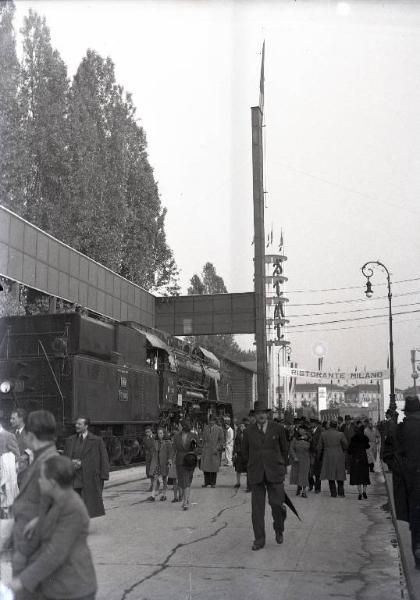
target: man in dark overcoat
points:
(91, 463)
(315, 471)
(406, 473)
(264, 451)
(17, 421)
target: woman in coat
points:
(359, 463)
(238, 460)
(161, 460)
(213, 443)
(299, 452)
(185, 444)
(331, 447)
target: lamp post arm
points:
(367, 271)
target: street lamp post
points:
(367, 271)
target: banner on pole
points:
(356, 376)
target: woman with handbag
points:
(238, 461)
(185, 445)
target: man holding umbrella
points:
(264, 450)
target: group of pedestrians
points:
(330, 452)
(48, 539)
(172, 459)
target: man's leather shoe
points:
(279, 537)
(256, 546)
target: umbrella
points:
(290, 504)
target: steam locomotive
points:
(122, 376)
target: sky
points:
(341, 144)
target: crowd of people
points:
(52, 496)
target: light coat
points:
(63, 566)
(229, 439)
(213, 442)
(265, 453)
(95, 470)
(8, 443)
(300, 460)
(331, 447)
(373, 436)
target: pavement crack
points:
(214, 519)
(165, 563)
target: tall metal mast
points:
(259, 242)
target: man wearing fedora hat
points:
(264, 450)
(407, 487)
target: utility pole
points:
(259, 243)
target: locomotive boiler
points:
(121, 376)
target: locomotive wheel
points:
(135, 449)
(126, 454)
(115, 450)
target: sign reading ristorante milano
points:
(362, 376)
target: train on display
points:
(122, 376)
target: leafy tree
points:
(117, 217)
(43, 99)
(221, 344)
(11, 303)
(10, 138)
(73, 159)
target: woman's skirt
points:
(239, 464)
(359, 470)
(184, 476)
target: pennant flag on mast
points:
(262, 79)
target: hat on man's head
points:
(260, 406)
(412, 404)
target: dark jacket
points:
(406, 465)
(63, 566)
(21, 440)
(95, 469)
(265, 453)
(181, 449)
(348, 430)
(359, 465)
(238, 459)
(28, 504)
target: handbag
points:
(190, 461)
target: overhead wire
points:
(350, 287)
(355, 310)
(381, 323)
(404, 312)
(351, 300)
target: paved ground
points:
(343, 548)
